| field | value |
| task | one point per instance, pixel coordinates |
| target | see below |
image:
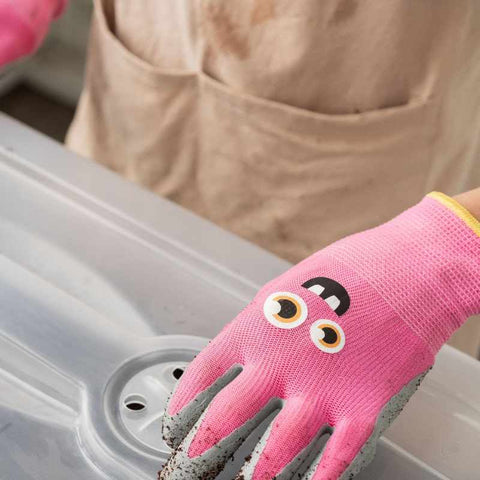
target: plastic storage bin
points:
(93, 279)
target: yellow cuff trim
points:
(459, 210)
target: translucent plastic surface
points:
(94, 274)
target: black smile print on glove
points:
(331, 291)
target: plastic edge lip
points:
(459, 210)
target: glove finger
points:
(235, 405)
(210, 371)
(353, 443)
(292, 439)
(350, 448)
(232, 415)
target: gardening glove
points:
(24, 24)
(336, 345)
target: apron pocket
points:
(136, 119)
(293, 180)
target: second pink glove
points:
(24, 24)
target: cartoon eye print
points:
(285, 310)
(327, 335)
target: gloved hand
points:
(24, 24)
(337, 344)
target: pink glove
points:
(337, 344)
(24, 24)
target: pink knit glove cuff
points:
(425, 263)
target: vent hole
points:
(177, 373)
(135, 403)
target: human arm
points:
(471, 201)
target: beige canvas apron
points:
(291, 124)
